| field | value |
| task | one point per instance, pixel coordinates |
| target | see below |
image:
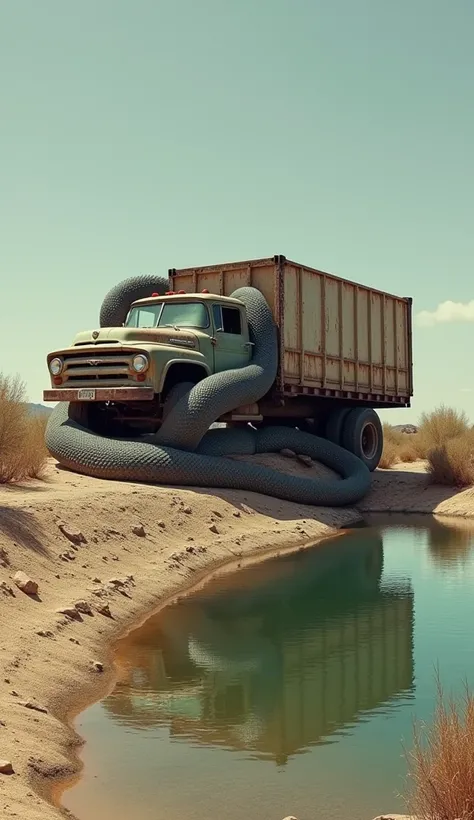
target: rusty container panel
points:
(225, 279)
(337, 338)
(344, 338)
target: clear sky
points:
(139, 135)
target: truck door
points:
(231, 341)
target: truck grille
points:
(105, 368)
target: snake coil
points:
(185, 451)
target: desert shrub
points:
(452, 463)
(442, 424)
(392, 435)
(441, 762)
(389, 453)
(23, 452)
(412, 447)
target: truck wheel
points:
(363, 435)
(174, 395)
(335, 425)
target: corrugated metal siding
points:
(337, 337)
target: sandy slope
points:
(47, 659)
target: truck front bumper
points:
(122, 394)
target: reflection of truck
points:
(315, 680)
(342, 346)
(274, 670)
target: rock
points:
(70, 612)
(306, 460)
(83, 607)
(43, 633)
(288, 454)
(97, 666)
(187, 510)
(214, 529)
(104, 609)
(26, 584)
(162, 525)
(139, 530)
(28, 704)
(74, 536)
(7, 590)
(117, 582)
(191, 550)
(236, 514)
(6, 767)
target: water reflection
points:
(450, 540)
(276, 658)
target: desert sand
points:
(108, 554)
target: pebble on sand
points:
(26, 584)
(139, 530)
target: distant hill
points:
(39, 409)
(406, 428)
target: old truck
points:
(345, 350)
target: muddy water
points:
(288, 687)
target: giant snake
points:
(185, 451)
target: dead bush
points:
(452, 463)
(23, 452)
(444, 423)
(441, 762)
(389, 454)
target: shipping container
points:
(338, 339)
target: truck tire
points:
(335, 425)
(363, 435)
(174, 395)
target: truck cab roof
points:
(190, 297)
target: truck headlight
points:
(140, 363)
(55, 366)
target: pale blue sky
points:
(138, 135)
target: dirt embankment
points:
(106, 554)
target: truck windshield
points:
(169, 314)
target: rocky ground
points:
(83, 559)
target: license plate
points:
(86, 395)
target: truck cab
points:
(124, 379)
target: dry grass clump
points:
(441, 425)
(400, 447)
(23, 452)
(441, 762)
(412, 448)
(449, 445)
(444, 438)
(391, 444)
(452, 463)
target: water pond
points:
(288, 687)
